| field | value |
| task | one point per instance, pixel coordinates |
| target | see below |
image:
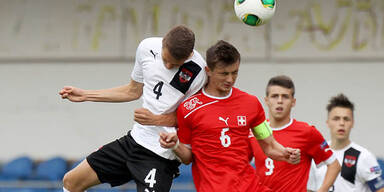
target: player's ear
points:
(294, 102)
(190, 55)
(207, 70)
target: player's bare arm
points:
(146, 117)
(132, 91)
(171, 141)
(333, 170)
(276, 151)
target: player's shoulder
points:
(192, 102)
(151, 40)
(239, 93)
(198, 59)
(151, 43)
(364, 152)
(303, 125)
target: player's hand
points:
(145, 117)
(168, 140)
(72, 93)
(294, 155)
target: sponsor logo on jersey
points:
(349, 160)
(185, 75)
(191, 104)
(153, 53)
(241, 120)
(375, 169)
(324, 145)
(224, 120)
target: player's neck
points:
(338, 144)
(277, 123)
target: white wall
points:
(35, 121)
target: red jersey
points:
(281, 176)
(217, 129)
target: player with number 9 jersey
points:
(281, 176)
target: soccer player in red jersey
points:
(281, 176)
(213, 129)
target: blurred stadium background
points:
(326, 46)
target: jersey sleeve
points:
(259, 117)
(197, 84)
(319, 149)
(137, 72)
(313, 182)
(183, 130)
(368, 167)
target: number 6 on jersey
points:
(225, 139)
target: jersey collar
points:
(214, 97)
(282, 127)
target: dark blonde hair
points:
(180, 42)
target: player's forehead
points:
(221, 67)
(279, 90)
(340, 112)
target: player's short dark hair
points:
(340, 100)
(282, 81)
(180, 42)
(222, 52)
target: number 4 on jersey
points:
(157, 89)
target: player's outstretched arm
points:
(125, 93)
(171, 141)
(276, 151)
(333, 170)
(146, 117)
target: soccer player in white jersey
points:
(360, 171)
(167, 70)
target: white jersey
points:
(358, 167)
(164, 89)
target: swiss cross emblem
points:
(241, 120)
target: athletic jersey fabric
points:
(281, 176)
(358, 166)
(164, 89)
(217, 128)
